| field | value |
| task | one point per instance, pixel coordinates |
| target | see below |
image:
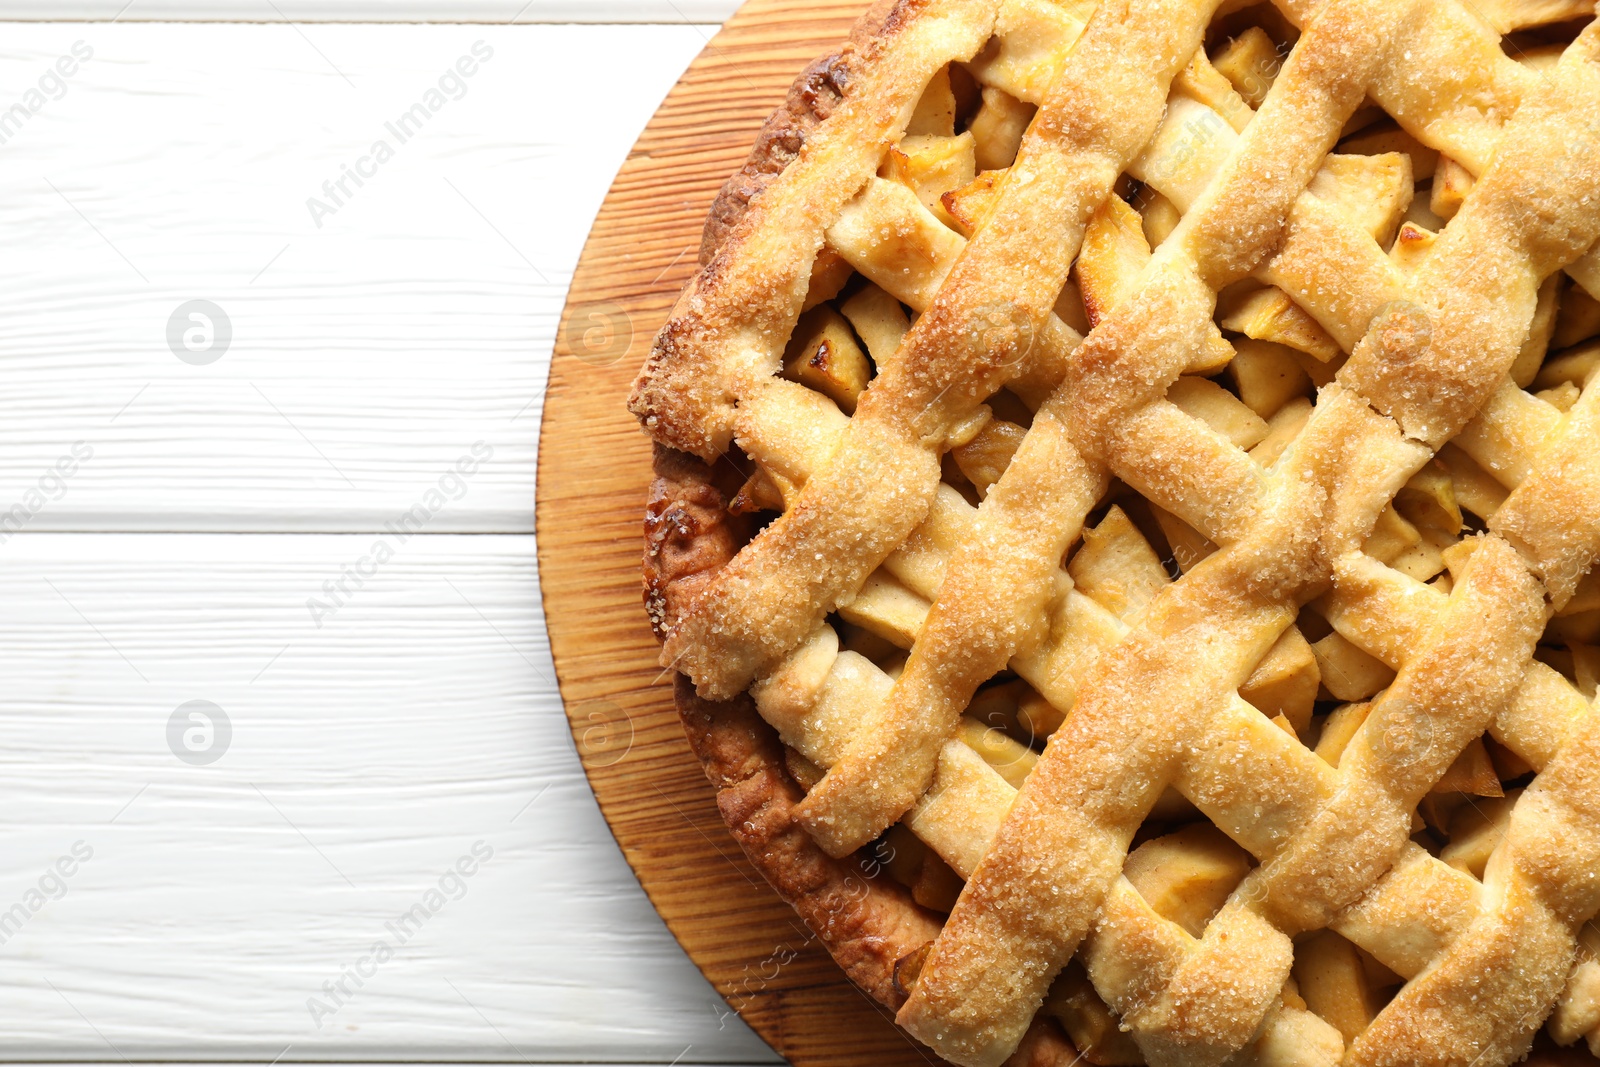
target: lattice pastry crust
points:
(1016, 297)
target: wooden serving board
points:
(594, 469)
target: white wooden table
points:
(185, 521)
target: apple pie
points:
(1127, 486)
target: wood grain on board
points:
(594, 469)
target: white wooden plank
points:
(520, 11)
(368, 354)
(366, 757)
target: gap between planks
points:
(366, 755)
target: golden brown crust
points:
(810, 100)
(688, 534)
(867, 923)
(1386, 421)
(670, 397)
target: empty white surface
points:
(369, 352)
(371, 752)
(520, 11)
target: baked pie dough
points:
(1128, 477)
